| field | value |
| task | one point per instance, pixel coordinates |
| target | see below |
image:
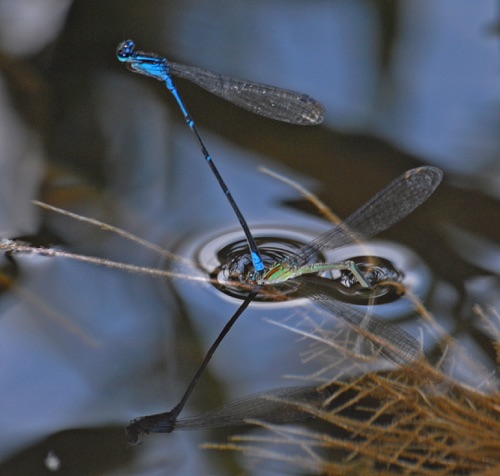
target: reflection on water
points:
(225, 258)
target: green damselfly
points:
(386, 208)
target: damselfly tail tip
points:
(132, 433)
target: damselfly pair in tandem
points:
(300, 270)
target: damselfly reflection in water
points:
(386, 208)
(297, 271)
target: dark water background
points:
(404, 86)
